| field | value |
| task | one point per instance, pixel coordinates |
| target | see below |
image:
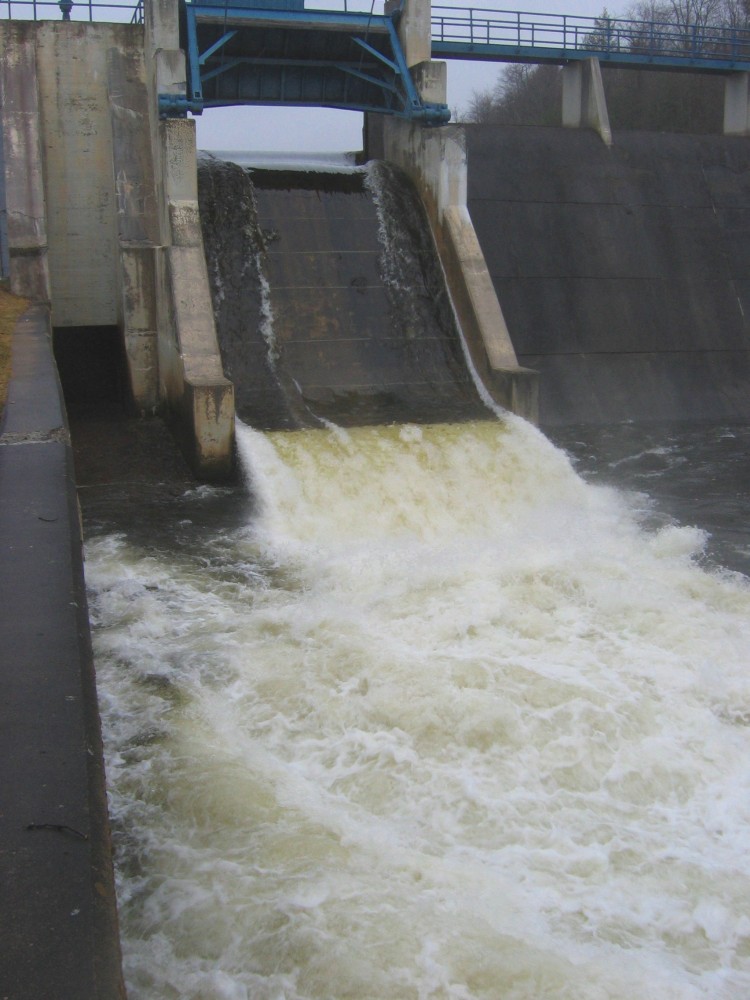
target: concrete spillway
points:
(623, 272)
(329, 298)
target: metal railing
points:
(101, 10)
(475, 27)
(479, 26)
(128, 10)
(106, 11)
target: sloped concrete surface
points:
(624, 271)
(58, 925)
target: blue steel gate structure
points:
(280, 52)
(287, 52)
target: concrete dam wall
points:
(329, 298)
(623, 272)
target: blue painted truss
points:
(282, 54)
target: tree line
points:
(636, 99)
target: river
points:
(434, 712)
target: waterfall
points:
(415, 712)
(437, 720)
(329, 298)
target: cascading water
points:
(439, 720)
(416, 713)
(329, 298)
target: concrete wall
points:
(200, 399)
(137, 218)
(435, 160)
(4, 259)
(77, 151)
(623, 272)
(102, 210)
(26, 213)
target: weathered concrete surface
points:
(20, 123)
(435, 160)
(103, 211)
(58, 928)
(137, 220)
(737, 104)
(200, 399)
(4, 260)
(330, 300)
(414, 30)
(431, 80)
(75, 113)
(77, 150)
(584, 104)
(623, 272)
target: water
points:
(318, 162)
(330, 299)
(677, 473)
(423, 714)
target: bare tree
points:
(637, 99)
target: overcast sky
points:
(324, 130)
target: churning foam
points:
(441, 722)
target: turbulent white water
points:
(442, 721)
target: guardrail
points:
(67, 10)
(471, 28)
(479, 26)
(110, 10)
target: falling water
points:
(437, 719)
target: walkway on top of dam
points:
(517, 36)
(348, 53)
(344, 53)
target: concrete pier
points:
(102, 213)
(583, 102)
(436, 162)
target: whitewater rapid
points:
(441, 720)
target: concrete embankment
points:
(623, 272)
(59, 926)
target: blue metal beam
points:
(382, 66)
(375, 54)
(331, 20)
(204, 56)
(516, 36)
(560, 56)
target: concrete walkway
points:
(58, 923)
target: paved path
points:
(58, 930)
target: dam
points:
(403, 706)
